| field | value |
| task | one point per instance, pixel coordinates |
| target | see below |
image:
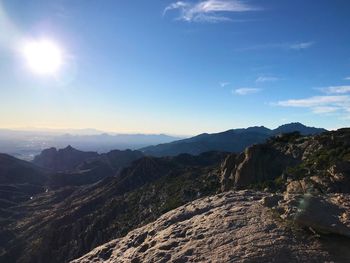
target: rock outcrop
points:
(71, 167)
(319, 163)
(230, 227)
(258, 163)
(62, 160)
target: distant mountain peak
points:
(69, 148)
(297, 126)
(234, 140)
(63, 159)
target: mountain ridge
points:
(233, 140)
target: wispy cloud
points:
(324, 109)
(320, 104)
(224, 84)
(313, 101)
(284, 46)
(211, 11)
(302, 45)
(246, 91)
(337, 101)
(266, 79)
(336, 89)
(347, 78)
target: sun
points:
(42, 56)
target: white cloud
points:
(224, 84)
(347, 78)
(320, 104)
(324, 109)
(302, 45)
(245, 91)
(313, 101)
(266, 79)
(208, 10)
(337, 89)
(177, 5)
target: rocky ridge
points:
(235, 140)
(300, 164)
(228, 227)
(63, 159)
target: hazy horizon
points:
(93, 131)
(28, 142)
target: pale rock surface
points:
(228, 227)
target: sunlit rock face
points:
(257, 163)
(230, 227)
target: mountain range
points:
(234, 140)
(25, 144)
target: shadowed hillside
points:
(230, 141)
(74, 220)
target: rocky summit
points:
(239, 226)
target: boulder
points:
(303, 186)
(271, 200)
(324, 214)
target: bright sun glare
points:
(43, 56)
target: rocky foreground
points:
(241, 226)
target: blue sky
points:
(178, 67)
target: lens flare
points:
(43, 56)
